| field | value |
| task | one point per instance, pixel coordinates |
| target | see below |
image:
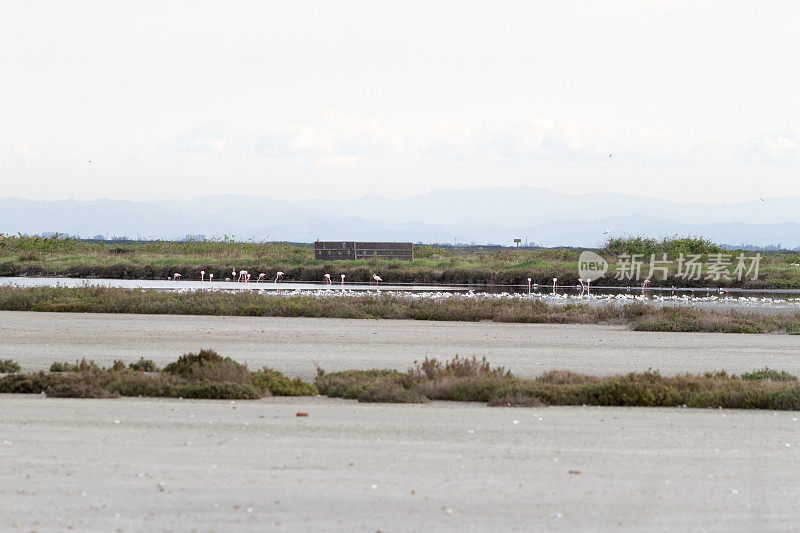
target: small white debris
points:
(556, 515)
(447, 510)
(373, 487)
(734, 491)
(471, 431)
(160, 487)
(516, 422)
(787, 444)
(116, 421)
(249, 509)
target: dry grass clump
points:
(8, 366)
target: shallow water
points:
(764, 301)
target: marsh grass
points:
(205, 374)
(636, 315)
(209, 375)
(760, 390)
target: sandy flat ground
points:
(170, 465)
(295, 345)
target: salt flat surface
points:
(295, 345)
(169, 465)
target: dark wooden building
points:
(336, 250)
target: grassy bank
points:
(208, 375)
(638, 316)
(34, 256)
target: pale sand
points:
(66, 463)
(294, 345)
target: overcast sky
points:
(695, 100)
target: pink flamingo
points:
(202, 276)
(243, 276)
(327, 279)
(588, 286)
(529, 285)
(377, 279)
(176, 276)
(644, 287)
(554, 285)
(342, 280)
(278, 276)
(261, 277)
(210, 278)
(233, 277)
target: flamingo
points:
(261, 277)
(328, 279)
(644, 286)
(529, 285)
(342, 280)
(582, 287)
(554, 285)
(377, 279)
(210, 278)
(202, 276)
(588, 286)
(233, 277)
(176, 276)
(243, 276)
(278, 276)
(247, 279)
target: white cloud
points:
(783, 147)
(331, 136)
(201, 140)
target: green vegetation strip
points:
(638, 315)
(209, 375)
(37, 256)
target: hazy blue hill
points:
(495, 215)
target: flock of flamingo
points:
(244, 277)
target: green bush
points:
(208, 365)
(275, 383)
(768, 373)
(8, 366)
(144, 365)
(219, 391)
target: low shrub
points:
(78, 366)
(770, 374)
(208, 365)
(270, 381)
(219, 391)
(144, 365)
(516, 400)
(8, 366)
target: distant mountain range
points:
(481, 216)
